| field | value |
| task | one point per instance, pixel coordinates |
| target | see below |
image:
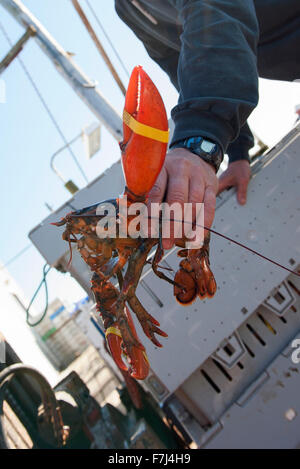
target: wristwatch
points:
(209, 151)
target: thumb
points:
(242, 192)
(225, 181)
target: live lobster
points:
(144, 146)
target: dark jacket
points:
(213, 51)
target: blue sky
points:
(28, 137)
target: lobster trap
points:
(225, 376)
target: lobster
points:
(144, 147)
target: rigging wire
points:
(54, 121)
(16, 256)
(107, 38)
(99, 46)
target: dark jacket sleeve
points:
(239, 149)
(164, 55)
(217, 73)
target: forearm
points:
(217, 72)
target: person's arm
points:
(218, 83)
(165, 56)
(217, 73)
(217, 80)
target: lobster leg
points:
(116, 264)
(158, 257)
(148, 322)
(135, 267)
(155, 265)
(105, 295)
(130, 282)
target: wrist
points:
(209, 166)
(208, 151)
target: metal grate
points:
(214, 387)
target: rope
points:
(43, 281)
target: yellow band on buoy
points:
(145, 130)
(113, 330)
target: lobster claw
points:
(145, 128)
(139, 363)
(194, 277)
(114, 341)
(207, 286)
(187, 294)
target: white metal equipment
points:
(224, 375)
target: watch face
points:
(207, 146)
(207, 150)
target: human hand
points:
(185, 177)
(236, 175)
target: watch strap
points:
(208, 151)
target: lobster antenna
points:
(71, 253)
(211, 231)
(235, 242)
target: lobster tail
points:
(145, 128)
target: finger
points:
(196, 195)
(209, 207)
(177, 196)
(158, 190)
(225, 181)
(156, 196)
(242, 191)
(196, 190)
